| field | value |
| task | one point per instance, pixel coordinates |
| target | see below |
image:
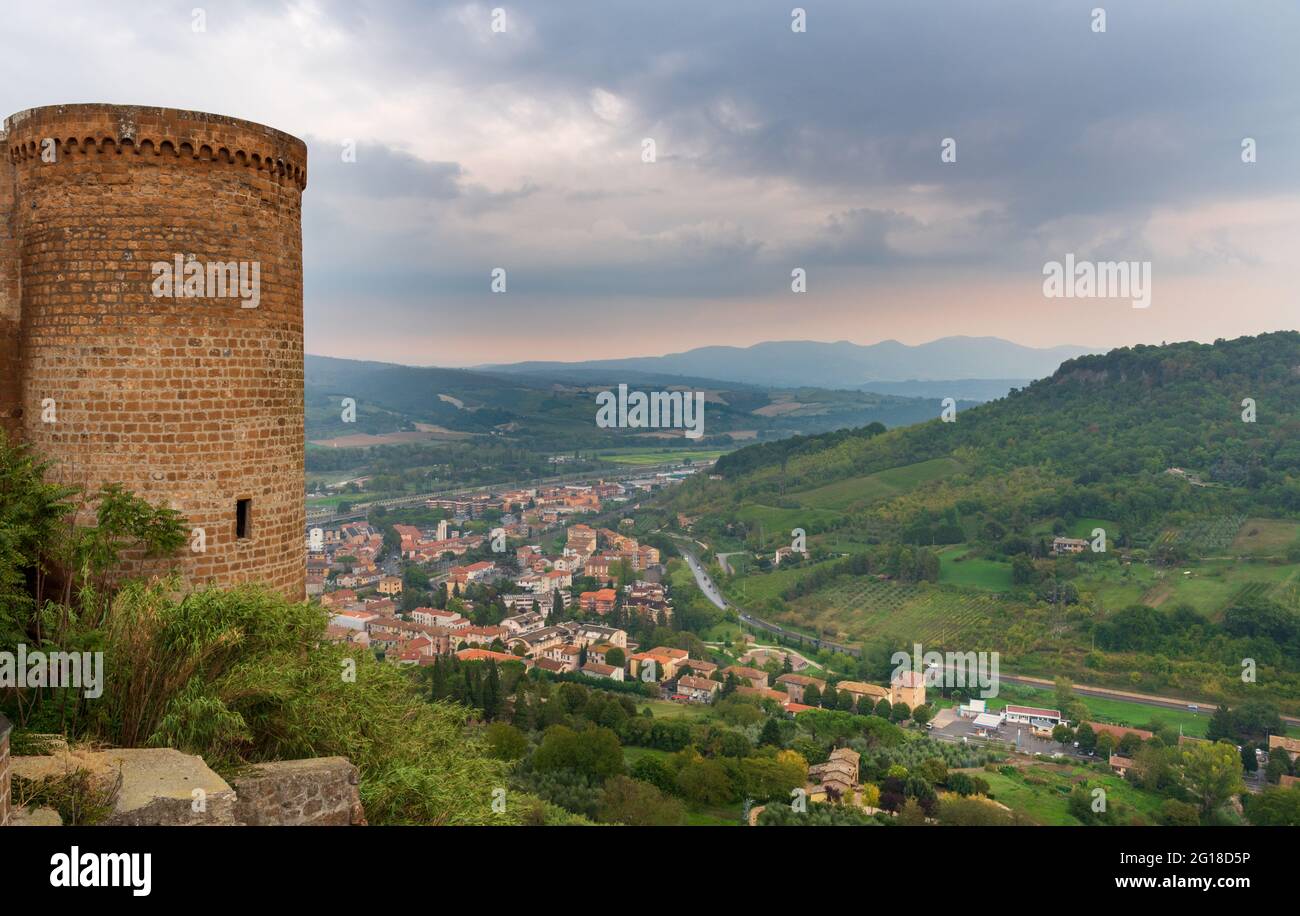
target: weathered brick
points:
(194, 403)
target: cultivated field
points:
(1209, 586)
(780, 522)
(1265, 536)
(879, 486)
(862, 607)
(1205, 537)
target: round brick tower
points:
(151, 301)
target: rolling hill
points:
(405, 403)
(889, 367)
(1185, 456)
(1111, 426)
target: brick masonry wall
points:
(318, 792)
(6, 792)
(196, 403)
(10, 406)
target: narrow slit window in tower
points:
(243, 518)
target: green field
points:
(661, 456)
(719, 816)
(779, 523)
(333, 501)
(879, 486)
(1208, 586)
(1042, 793)
(722, 631)
(1083, 528)
(1116, 585)
(666, 709)
(1265, 537)
(956, 568)
(753, 590)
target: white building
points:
(1033, 716)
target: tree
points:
(655, 771)
(1079, 804)
(491, 691)
(525, 717)
(933, 770)
(1154, 766)
(638, 804)
(704, 781)
(1064, 693)
(1086, 737)
(1130, 744)
(594, 752)
(1174, 813)
(1221, 727)
(616, 657)
(1212, 773)
(812, 696)
(922, 714)
(505, 742)
(771, 734)
(1279, 765)
(911, 814)
(1071, 707)
(1255, 720)
(773, 777)
(573, 696)
(1105, 745)
(1275, 807)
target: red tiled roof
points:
(482, 655)
(1034, 711)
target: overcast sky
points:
(522, 150)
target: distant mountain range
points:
(557, 410)
(978, 368)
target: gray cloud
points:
(522, 150)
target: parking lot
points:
(948, 726)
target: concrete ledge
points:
(158, 786)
